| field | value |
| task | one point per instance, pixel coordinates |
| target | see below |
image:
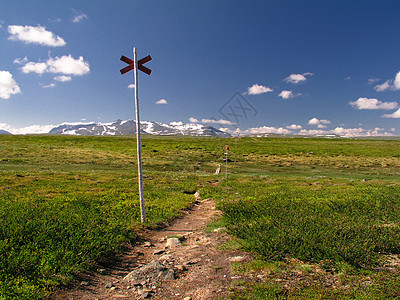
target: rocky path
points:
(181, 261)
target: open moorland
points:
(319, 216)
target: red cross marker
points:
(131, 64)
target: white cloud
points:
(372, 103)
(35, 35)
(294, 127)
(287, 94)
(33, 129)
(313, 132)
(315, 121)
(257, 89)
(395, 115)
(20, 61)
(390, 84)
(38, 68)
(162, 101)
(384, 86)
(179, 123)
(347, 132)
(131, 86)
(266, 129)
(8, 86)
(63, 78)
(64, 65)
(396, 83)
(68, 65)
(51, 85)
(193, 120)
(221, 122)
(78, 16)
(297, 78)
(373, 80)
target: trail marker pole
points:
(138, 65)
(227, 148)
(138, 139)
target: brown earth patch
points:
(195, 268)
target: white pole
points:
(138, 139)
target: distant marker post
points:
(138, 65)
(227, 148)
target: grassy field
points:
(70, 203)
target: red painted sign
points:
(131, 64)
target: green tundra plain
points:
(320, 216)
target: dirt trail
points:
(194, 269)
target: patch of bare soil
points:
(190, 265)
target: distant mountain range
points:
(4, 132)
(129, 127)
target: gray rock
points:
(190, 262)
(152, 271)
(171, 242)
(148, 244)
(167, 274)
(109, 285)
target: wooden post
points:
(138, 139)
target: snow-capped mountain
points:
(129, 127)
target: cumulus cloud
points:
(294, 127)
(372, 103)
(395, 115)
(297, 78)
(8, 86)
(347, 132)
(131, 86)
(266, 129)
(384, 86)
(20, 61)
(35, 35)
(68, 65)
(313, 132)
(162, 101)
(221, 122)
(64, 65)
(257, 89)
(179, 123)
(319, 123)
(193, 120)
(33, 129)
(391, 84)
(297, 130)
(396, 83)
(31, 67)
(78, 16)
(63, 78)
(287, 94)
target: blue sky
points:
(249, 66)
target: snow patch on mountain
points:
(129, 127)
